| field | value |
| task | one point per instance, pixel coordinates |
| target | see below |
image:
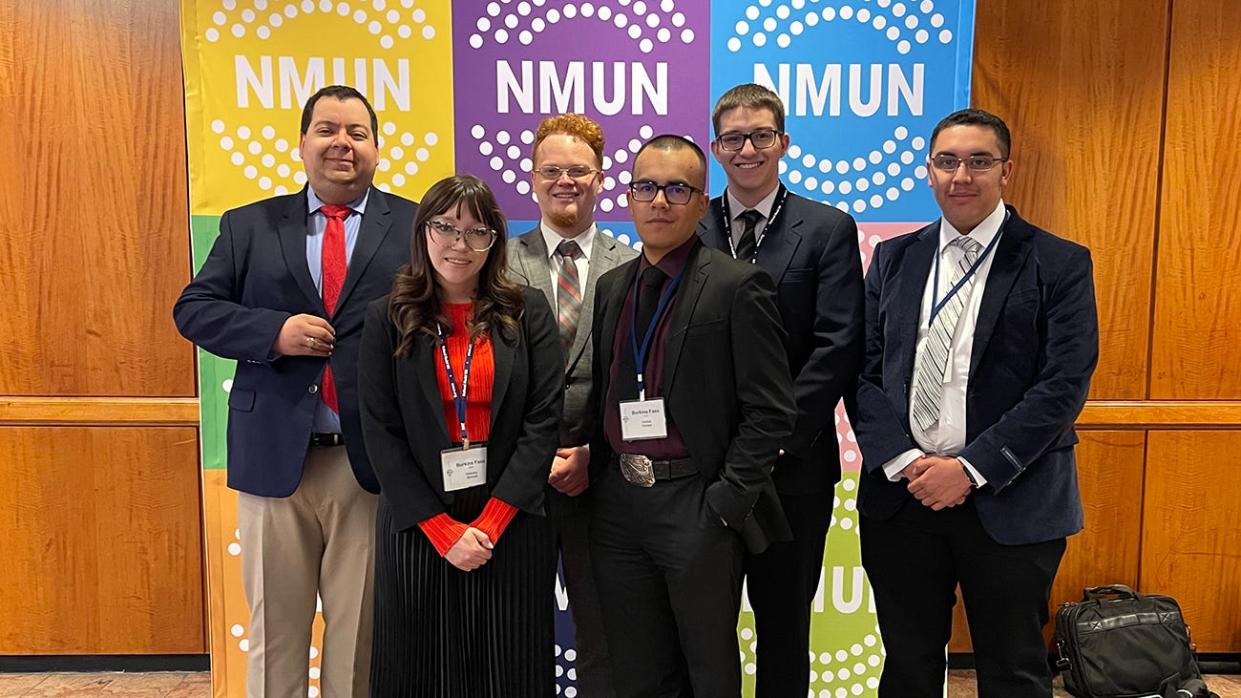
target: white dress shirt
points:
(585, 242)
(947, 436)
(736, 208)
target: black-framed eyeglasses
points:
(674, 192)
(479, 239)
(975, 163)
(553, 172)
(762, 139)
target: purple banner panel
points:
(638, 68)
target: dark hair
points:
(748, 95)
(415, 305)
(977, 117)
(341, 92)
(671, 141)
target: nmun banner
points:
(459, 86)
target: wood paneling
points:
(1197, 333)
(1081, 86)
(94, 236)
(102, 543)
(166, 411)
(1191, 543)
(1145, 414)
(1109, 467)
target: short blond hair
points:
(579, 126)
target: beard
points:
(562, 219)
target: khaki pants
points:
(318, 542)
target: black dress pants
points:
(570, 519)
(916, 559)
(669, 579)
(781, 583)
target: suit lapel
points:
(1010, 255)
(292, 234)
(376, 223)
(533, 262)
(613, 302)
(425, 356)
(695, 279)
(604, 259)
(910, 282)
(709, 227)
(502, 353)
(780, 243)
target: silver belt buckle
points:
(637, 470)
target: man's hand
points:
(916, 468)
(570, 474)
(941, 484)
(305, 335)
(471, 552)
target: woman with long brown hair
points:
(460, 384)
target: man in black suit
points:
(811, 251)
(981, 338)
(694, 402)
(284, 292)
(564, 256)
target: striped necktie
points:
(568, 293)
(928, 390)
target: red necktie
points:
(334, 269)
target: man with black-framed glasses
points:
(564, 256)
(981, 339)
(811, 252)
(692, 401)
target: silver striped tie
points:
(928, 390)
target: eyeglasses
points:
(553, 172)
(975, 163)
(674, 193)
(446, 234)
(762, 138)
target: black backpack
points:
(1117, 643)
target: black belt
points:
(665, 469)
(327, 440)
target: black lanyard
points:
(776, 209)
(458, 396)
(938, 306)
(639, 352)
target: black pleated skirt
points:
(444, 633)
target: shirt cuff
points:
(443, 532)
(892, 469)
(978, 478)
(495, 518)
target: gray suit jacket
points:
(527, 260)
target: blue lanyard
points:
(639, 352)
(938, 306)
(458, 396)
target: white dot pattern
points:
(904, 26)
(821, 178)
(648, 26)
(380, 24)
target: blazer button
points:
(313, 389)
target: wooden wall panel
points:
(102, 543)
(1081, 86)
(1191, 543)
(94, 241)
(1197, 333)
(1110, 465)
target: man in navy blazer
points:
(284, 292)
(810, 250)
(981, 338)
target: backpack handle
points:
(1117, 590)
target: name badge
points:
(643, 419)
(463, 468)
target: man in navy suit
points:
(981, 338)
(284, 292)
(811, 252)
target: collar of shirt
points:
(764, 206)
(314, 203)
(983, 233)
(672, 263)
(552, 239)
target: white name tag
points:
(463, 468)
(643, 419)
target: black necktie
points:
(748, 244)
(649, 289)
